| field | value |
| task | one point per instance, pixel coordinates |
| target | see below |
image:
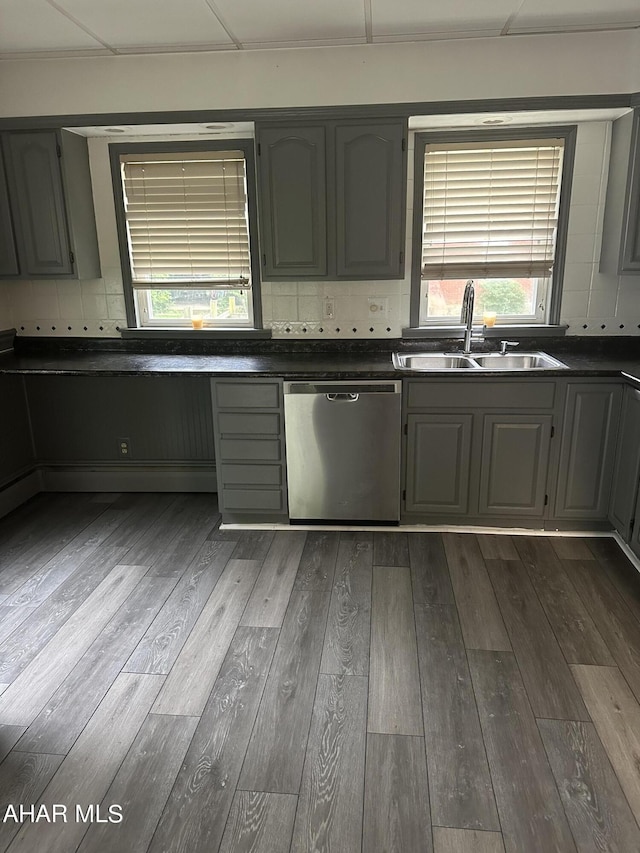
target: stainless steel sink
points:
(433, 361)
(518, 361)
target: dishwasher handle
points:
(342, 398)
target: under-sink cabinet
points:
(477, 450)
(248, 421)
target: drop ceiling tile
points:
(147, 23)
(34, 25)
(293, 20)
(417, 16)
(575, 14)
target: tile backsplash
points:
(592, 303)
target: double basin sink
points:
(482, 361)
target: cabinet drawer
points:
(520, 394)
(240, 449)
(246, 395)
(252, 499)
(254, 423)
(250, 475)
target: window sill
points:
(457, 332)
(166, 334)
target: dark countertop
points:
(302, 365)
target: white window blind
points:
(186, 216)
(490, 209)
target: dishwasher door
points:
(343, 450)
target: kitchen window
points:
(186, 216)
(493, 208)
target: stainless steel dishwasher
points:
(343, 450)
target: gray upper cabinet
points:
(51, 206)
(369, 200)
(592, 412)
(8, 255)
(332, 200)
(293, 201)
(626, 472)
(621, 228)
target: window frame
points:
(247, 147)
(534, 132)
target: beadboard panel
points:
(82, 418)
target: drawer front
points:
(520, 394)
(247, 395)
(253, 499)
(250, 475)
(241, 449)
(249, 423)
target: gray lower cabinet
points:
(332, 199)
(623, 511)
(438, 463)
(515, 459)
(50, 205)
(477, 450)
(591, 415)
(248, 422)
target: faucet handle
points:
(504, 345)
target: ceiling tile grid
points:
(64, 27)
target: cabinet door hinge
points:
(404, 144)
(406, 429)
(259, 149)
(404, 494)
(401, 257)
(72, 257)
(264, 260)
(553, 431)
(58, 152)
(546, 499)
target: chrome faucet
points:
(466, 317)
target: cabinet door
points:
(513, 471)
(370, 200)
(438, 456)
(630, 252)
(626, 471)
(293, 201)
(587, 452)
(35, 183)
(635, 530)
(8, 256)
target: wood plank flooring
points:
(308, 692)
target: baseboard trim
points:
(129, 478)
(15, 494)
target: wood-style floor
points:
(311, 691)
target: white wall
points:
(513, 66)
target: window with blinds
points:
(490, 209)
(186, 219)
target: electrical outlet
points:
(124, 448)
(328, 308)
(379, 307)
